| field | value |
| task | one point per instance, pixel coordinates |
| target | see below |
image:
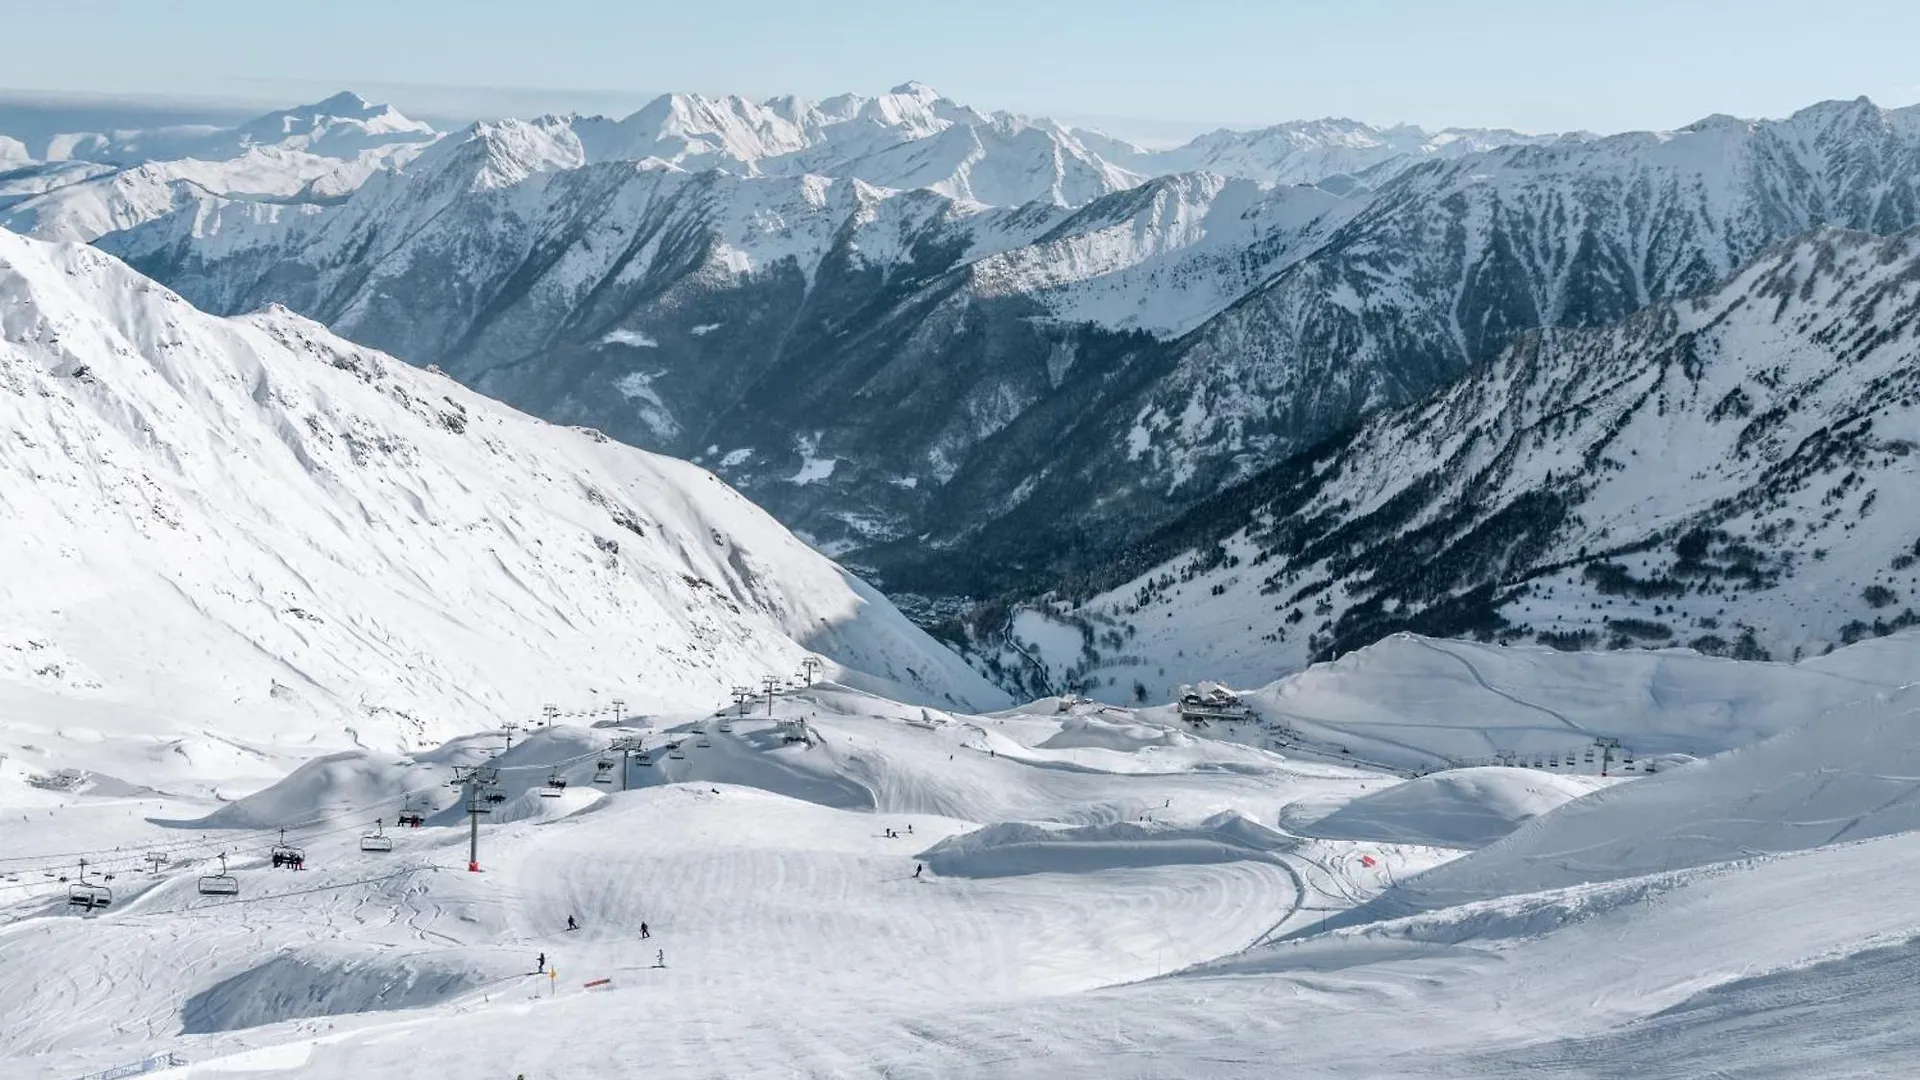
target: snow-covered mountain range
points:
(977, 354)
(84, 185)
(253, 516)
(667, 275)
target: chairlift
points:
(1553, 762)
(603, 773)
(555, 785)
(1626, 757)
(286, 855)
(1589, 755)
(86, 894)
(377, 840)
(674, 752)
(702, 742)
(220, 884)
(645, 758)
(725, 727)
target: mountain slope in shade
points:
(366, 543)
(1723, 473)
(1449, 263)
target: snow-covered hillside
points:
(1721, 473)
(1844, 777)
(252, 517)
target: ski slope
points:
(763, 869)
(1084, 891)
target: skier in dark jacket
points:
(644, 935)
(917, 867)
(571, 925)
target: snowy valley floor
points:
(1105, 894)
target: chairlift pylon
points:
(220, 884)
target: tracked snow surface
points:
(833, 883)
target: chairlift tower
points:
(549, 712)
(809, 666)
(475, 781)
(1607, 748)
(626, 746)
(619, 710)
(768, 684)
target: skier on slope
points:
(917, 867)
(540, 965)
(571, 925)
(644, 935)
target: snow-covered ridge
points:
(311, 153)
(364, 544)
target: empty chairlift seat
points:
(377, 840)
(88, 895)
(220, 884)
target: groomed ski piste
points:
(836, 884)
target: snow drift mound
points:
(256, 513)
(1851, 774)
(1092, 732)
(1014, 848)
(1463, 808)
(351, 784)
(326, 981)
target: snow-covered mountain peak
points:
(914, 88)
(343, 125)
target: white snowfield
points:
(1066, 889)
(208, 518)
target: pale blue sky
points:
(1536, 65)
